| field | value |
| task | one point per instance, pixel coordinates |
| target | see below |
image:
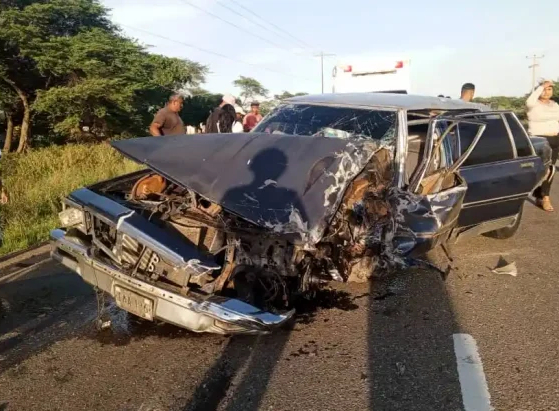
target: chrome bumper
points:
(214, 314)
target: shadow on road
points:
(232, 381)
(239, 378)
(411, 361)
(36, 310)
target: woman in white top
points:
(543, 121)
(238, 124)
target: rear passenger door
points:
(500, 172)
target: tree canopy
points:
(75, 69)
(251, 89)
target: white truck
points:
(372, 75)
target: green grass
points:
(38, 181)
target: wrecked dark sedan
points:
(223, 232)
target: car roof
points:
(387, 100)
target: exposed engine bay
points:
(224, 234)
(257, 265)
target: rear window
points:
(323, 121)
(519, 135)
(494, 144)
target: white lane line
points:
(475, 394)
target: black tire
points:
(506, 232)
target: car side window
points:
(519, 136)
(494, 144)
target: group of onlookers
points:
(228, 117)
(543, 121)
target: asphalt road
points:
(387, 345)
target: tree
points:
(21, 43)
(197, 107)
(287, 94)
(9, 108)
(250, 90)
(267, 106)
(73, 67)
(114, 85)
(516, 104)
(196, 91)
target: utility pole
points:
(533, 67)
(322, 55)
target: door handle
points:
(529, 164)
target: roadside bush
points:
(38, 181)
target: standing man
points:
(253, 118)
(167, 120)
(468, 91)
(213, 119)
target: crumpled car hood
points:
(288, 184)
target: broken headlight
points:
(71, 217)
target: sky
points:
(448, 42)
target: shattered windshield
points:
(325, 121)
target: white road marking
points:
(475, 394)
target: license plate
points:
(134, 303)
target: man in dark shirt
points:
(167, 120)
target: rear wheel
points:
(507, 232)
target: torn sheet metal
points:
(380, 226)
(288, 184)
(425, 221)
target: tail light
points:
(347, 69)
(399, 64)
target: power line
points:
(209, 13)
(251, 19)
(272, 24)
(214, 53)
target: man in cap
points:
(167, 120)
(253, 118)
(468, 91)
(211, 122)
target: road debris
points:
(505, 268)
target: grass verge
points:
(38, 181)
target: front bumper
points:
(195, 312)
